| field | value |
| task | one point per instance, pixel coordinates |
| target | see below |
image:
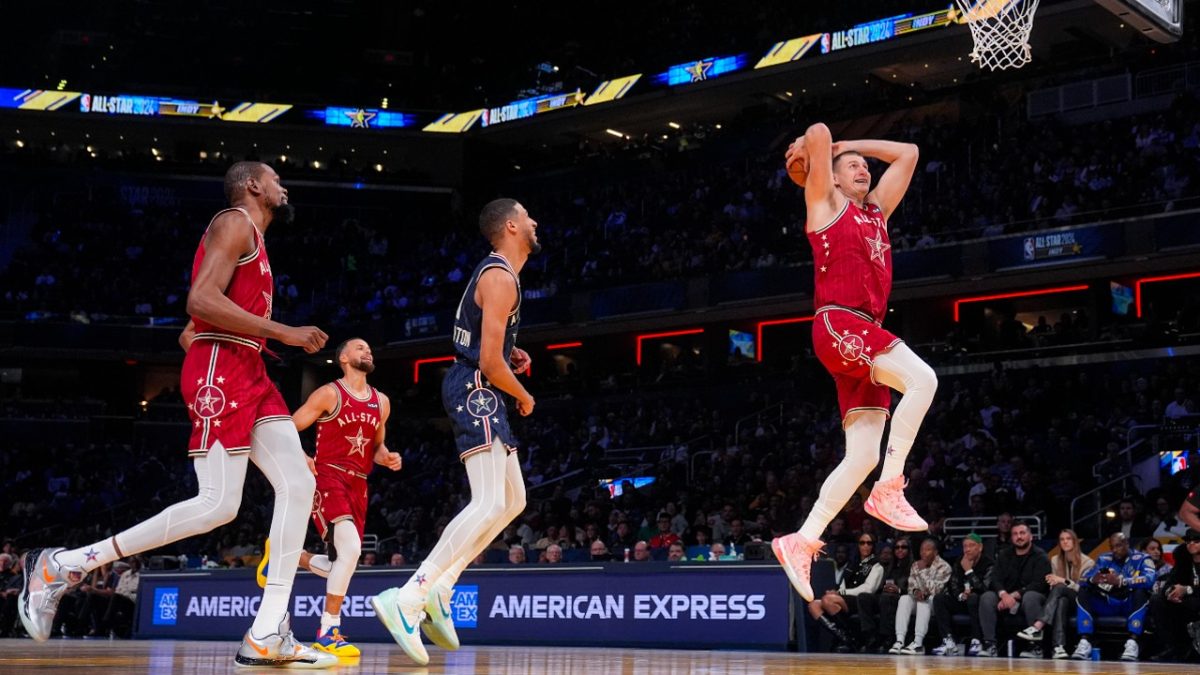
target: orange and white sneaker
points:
(795, 554)
(887, 503)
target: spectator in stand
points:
(717, 551)
(1176, 609)
(641, 552)
(516, 555)
(1118, 585)
(833, 609)
(554, 554)
(599, 551)
(1153, 548)
(120, 615)
(675, 552)
(1018, 584)
(11, 581)
(1131, 523)
(397, 560)
(738, 537)
(368, 559)
(877, 611)
(665, 536)
(1067, 568)
(928, 576)
(970, 576)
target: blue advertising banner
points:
(731, 605)
(1056, 246)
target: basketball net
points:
(1000, 29)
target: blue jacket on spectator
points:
(1137, 570)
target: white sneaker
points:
(1032, 634)
(281, 649)
(988, 650)
(1060, 653)
(1031, 652)
(948, 648)
(438, 626)
(974, 648)
(897, 646)
(402, 616)
(1131, 650)
(45, 583)
(1083, 650)
(916, 648)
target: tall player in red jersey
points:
(852, 263)
(351, 418)
(237, 416)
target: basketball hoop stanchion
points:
(1000, 30)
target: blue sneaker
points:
(333, 642)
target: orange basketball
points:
(798, 170)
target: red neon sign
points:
(420, 362)
(651, 336)
(1137, 286)
(758, 330)
(1019, 294)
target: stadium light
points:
(1137, 286)
(420, 362)
(614, 132)
(1019, 294)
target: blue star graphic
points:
(420, 579)
(91, 554)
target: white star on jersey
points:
(878, 246)
(358, 443)
(207, 403)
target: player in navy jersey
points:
(852, 265)
(484, 370)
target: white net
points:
(1000, 29)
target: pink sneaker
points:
(887, 503)
(796, 554)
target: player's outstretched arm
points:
(497, 294)
(320, 403)
(227, 240)
(383, 456)
(902, 161)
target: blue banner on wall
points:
(1056, 246)
(701, 606)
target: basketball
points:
(797, 170)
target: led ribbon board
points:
(363, 118)
(531, 106)
(701, 70)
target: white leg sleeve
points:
(902, 370)
(349, 548)
(220, 477)
(864, 431)
(514, 505)
(275, 450)
(486, 476)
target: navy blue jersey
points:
(468, 320)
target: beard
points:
(284, 213)
(363, 366)
(534, 246)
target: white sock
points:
(864, 430)
(901, 369)
(275, 449)
(329, 621)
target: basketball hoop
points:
(1000, 29)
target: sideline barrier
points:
(677, 605)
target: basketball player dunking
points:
(852, 262)
(485, 334)
(351, 418)
(237, 416)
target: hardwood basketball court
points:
(155, 657)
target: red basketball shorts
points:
(846, 343)
(341, 495)
(228, 393)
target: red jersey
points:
(346, 436)
(852, 261)
(251, 287)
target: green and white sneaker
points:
(438, 626)
(401, 616)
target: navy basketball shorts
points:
(477, 411)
